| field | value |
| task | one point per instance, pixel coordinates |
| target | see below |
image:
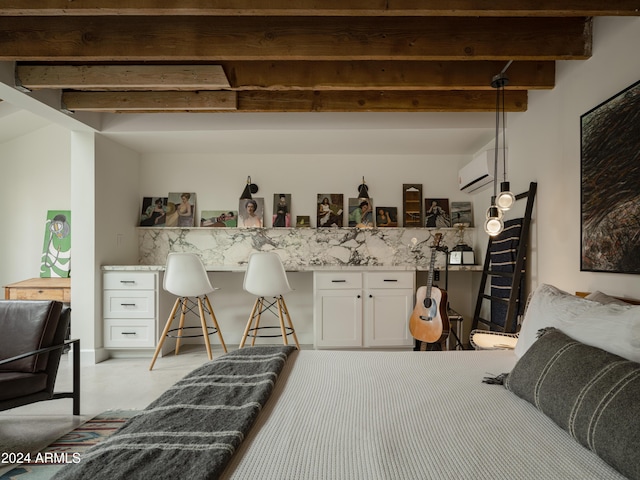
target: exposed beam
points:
(294, 101)
(182, 38)
(123, 77)
(323, 8)
(149, 101)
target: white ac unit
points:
(478, 174)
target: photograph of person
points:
(386, 216)
(281, 210)
(185, 210)
(251, 213)
(219, 218)
(361, 212)
(154, 212)
(437, 212)
(330, 209)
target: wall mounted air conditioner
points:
(477, 175)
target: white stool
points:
(186, 277)
(265, 277)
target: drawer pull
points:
(127, 304)
(129, 333)
(338, 281)
(390, 280)
(128, 281)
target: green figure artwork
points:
(56, 252)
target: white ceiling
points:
(282, 133)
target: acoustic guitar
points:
(429, 321)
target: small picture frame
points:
(154, 212)
(219, 218)
(461, 213)
(181, 209)
(330, 210)
(251, 213)
(386, 217)
(303, 221)
(436, 213)
(281, 210)
(361, 213)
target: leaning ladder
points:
(516, 276)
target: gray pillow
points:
(592, 394)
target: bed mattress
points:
(405, 415)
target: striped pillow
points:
(590, 393)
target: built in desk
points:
(40, 289)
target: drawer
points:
(337, 280)
(129, 281)
(129, 304)
(389, 279)
(59, 294)
(128, 333)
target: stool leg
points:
(286, 311)
(164, 332)
(249, 322)
(215, 323)
(258, 317)
(181, 324)
(205, 331)
(280, 316)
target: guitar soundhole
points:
(427, 303)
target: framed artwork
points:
(412, 204)
(361, 213)
(461, 213)
(56, 251)
(610, 184)
(386, 216)
(281, 210)
(303, 221)
(219, 218)
(154, 212)
(181, 210)
(436, 212)
(251, 213)
(330, 210)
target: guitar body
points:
(429, 321)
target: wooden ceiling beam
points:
(149, 101)
(322, 8)
(123, 77)
(182, 38)
(294, 101)
(288, 75)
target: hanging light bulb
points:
(494, 224)
(506, 198)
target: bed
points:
(418, 415)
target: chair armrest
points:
(487, 340)
(39, 351)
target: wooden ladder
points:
(513, 301)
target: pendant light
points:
(248, 190)
(505, 199)
(363, 191)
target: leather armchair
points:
(31, 345)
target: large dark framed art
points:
(610, 184)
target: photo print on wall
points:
(56, 251)
(386, 216)
(219, 218)
(154, 212)
(361, 212)
(330, 210)
(181, 209)
(251, 213)
(281, 210)
(436, 212)
(303, 221)
(461, 212)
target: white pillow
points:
(600, 297)
(611, 327)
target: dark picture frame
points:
(610, 184)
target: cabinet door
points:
(338, 318)
(386, 317)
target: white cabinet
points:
(129, 307)
(363, 309)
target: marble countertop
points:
(307, 268)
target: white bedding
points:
(405, 415)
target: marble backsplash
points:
(301, 248)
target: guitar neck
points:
(430, 276)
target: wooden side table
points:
(40, 289)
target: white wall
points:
(544, 146)
(34, 178)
